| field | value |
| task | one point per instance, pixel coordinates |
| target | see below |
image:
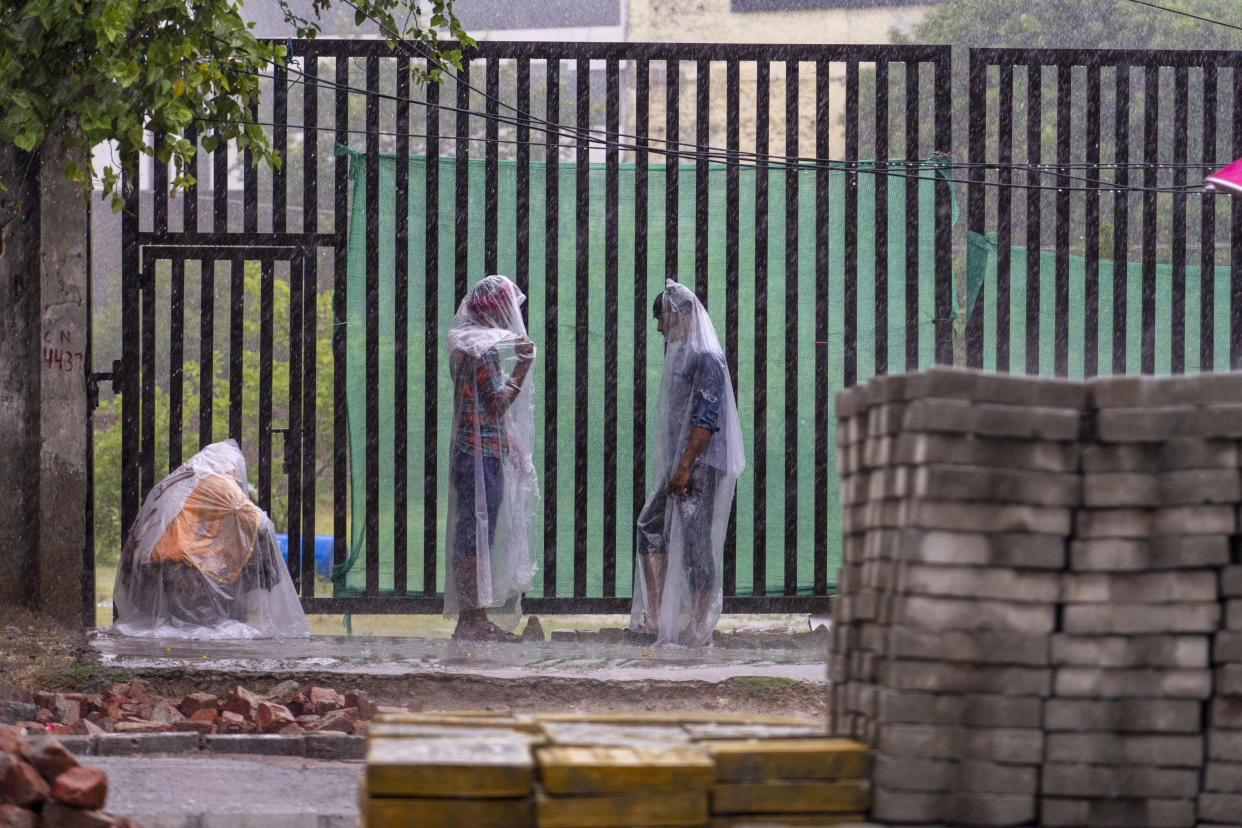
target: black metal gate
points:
(853, 102)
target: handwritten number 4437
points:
(63, 359)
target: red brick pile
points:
(41, 784)
(129, 708)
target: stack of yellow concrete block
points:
(459, 770)
(603, 770)
(790, 782)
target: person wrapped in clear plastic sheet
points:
(696, 458)
(201, 559)
(493, 488)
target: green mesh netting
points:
(982, 266)
(351, 578)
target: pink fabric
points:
(1228, 179)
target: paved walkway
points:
(373, 656)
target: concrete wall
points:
(1040, 612)
(718, 21)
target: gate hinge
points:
(93, 378)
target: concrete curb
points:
(329, 745)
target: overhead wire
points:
(575, 134)
(767, 161)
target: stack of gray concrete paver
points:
(1140, 606)
(958, 492)
(1220, 802)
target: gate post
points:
(43, 462)
(63, 413)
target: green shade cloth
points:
(350, 578)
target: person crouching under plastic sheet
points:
(493, 487)
(697, 457)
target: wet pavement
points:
(395, 657)
(220, 792)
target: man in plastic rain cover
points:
(696, 458)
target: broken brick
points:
(194, 702)
(243, 702)
(49, 757)
(11, 741)
(20, 783)
(12, 816)
(163, 711)
(83, 786)
(191, 726)
(45, 716)
(65, 709)
(323, 699)
(358, 698)
(338, 720)
(272, 718)
(67, 816)
(85, 727)
(141, 727)
(230, 722)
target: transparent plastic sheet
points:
(678, 591)
(201, 560)
(493, 486)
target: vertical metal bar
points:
(1151, 157)
(206, 348)
(791, 324)
(280, 143)
(1181, 90)
(340, 298)
(672, 160)
(1060, 338)
(1091, 277)
(491, 166)
(551, 270)
(702, 129)
(823, 129)
(1004, 217)
(220, 187)
(522, 223)
(371, 320)
(159, 187)
(759, 540)
(401, 337)
(310, 314)
(642, 104)
(1235, 238)
(431, 322)
(267, 279)
(148, 375)
(1034, 225)
(131, 292)
(912, 216)
(732, 221)
(237, 323)
(850, 242)
(1121, 215)
(176, 361)
(880, 177)
(943, 304)
(292, 434)
(582, 272)
(612, 216)
(1207, 231)
(189, 201)
(461, 180)
(976, 194)
(250, 184)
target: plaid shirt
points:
(480, 426)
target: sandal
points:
(486, 631)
